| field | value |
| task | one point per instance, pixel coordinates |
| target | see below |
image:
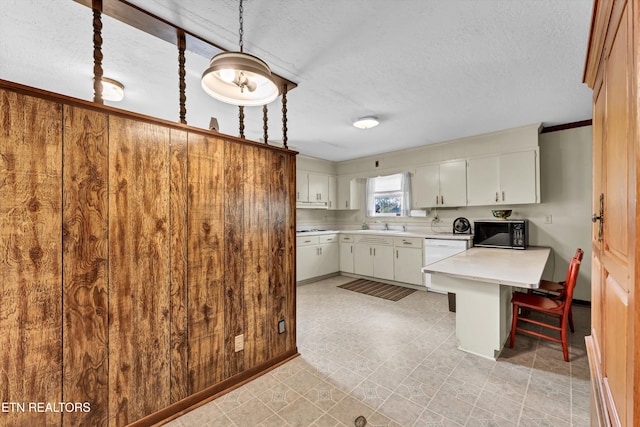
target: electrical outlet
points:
(239, 342)
(281, 327)
(548, 219)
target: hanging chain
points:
(241, 27)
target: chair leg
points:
(514, 324)
(565, 345)
(571, 320)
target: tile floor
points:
(397, 364)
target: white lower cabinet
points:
(316, 256)
(408, 260)
(374, 257)
(346, 253)
(329, 261)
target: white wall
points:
(565, 179)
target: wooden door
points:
(612, 344)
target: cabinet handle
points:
(396, 254)
(404, 242)
(496, 196)
(436, 200)
(346, 204)
(351, 247)
(442, 200)
(320, 251)
(370, 251)
(307, 241)
(374, 251)
(503, 196)
(297, 195)
(329, 203)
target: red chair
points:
(553, 306)
(556, 289)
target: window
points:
(388, 195)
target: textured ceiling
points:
(430, 70)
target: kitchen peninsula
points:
(483, 280)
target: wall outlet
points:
(239, 342)
(281, 327)
(548, 219)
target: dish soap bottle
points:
(363, 226)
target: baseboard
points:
(204, 396)
(317, 278)
(581, 302)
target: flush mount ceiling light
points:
(112, 90)
(239, 78)
(366, 122)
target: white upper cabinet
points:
(440, 185)
(350, 193)
(302, 186)
(318, 188)
(504, 179)
(312, 187)
(332, 203)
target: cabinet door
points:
(302, 186)
(306, 262)
(346, 257)
(332, 202)
(426, 186)
(363, 260)
(407, 263)
(344, 192)
(318, 187)
(453, 183)
(329, 258)
(356, 193)
(483, 181)
(518, 178)
(383, 262)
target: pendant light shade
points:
(240, 79)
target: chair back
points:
(579, 254)
(572, 277)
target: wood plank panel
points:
(256, 255)
(178, 232)
(290, 261)
(30, 256)
(85, 255)
(234, 308)
(278, 207)
(139, 273)
(205, 274)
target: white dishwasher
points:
(438, 249)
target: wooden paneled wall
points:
(132, 253)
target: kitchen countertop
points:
(520, 268)
(391, 233)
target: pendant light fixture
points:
(239, 78)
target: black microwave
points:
(505, 233)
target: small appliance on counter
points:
(461, 226)
(501, 233)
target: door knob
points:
(599, 217)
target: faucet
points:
(404, 227)
(386, 226)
